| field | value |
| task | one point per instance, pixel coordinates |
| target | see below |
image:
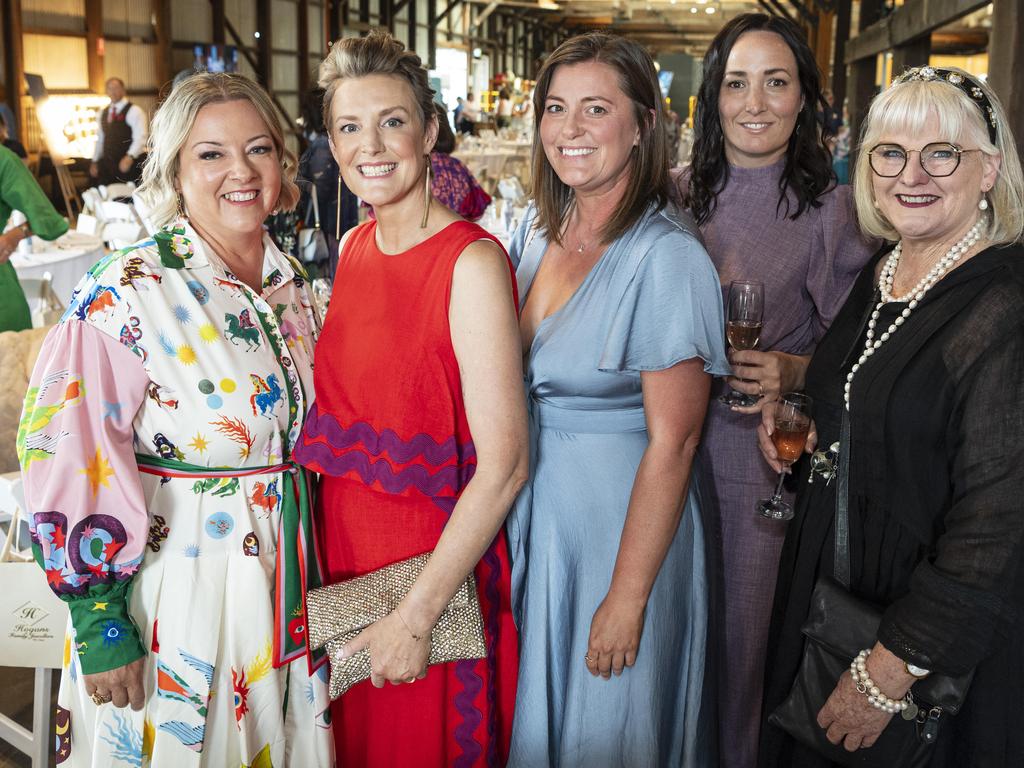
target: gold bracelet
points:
(415, 637)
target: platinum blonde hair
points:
(907, 107)
(173, 122)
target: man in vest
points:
(121, 139)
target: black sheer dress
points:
(936, 501)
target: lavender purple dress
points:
(807, 266)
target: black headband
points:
(964, 82)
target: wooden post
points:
(843, 13)
(264, 49)
(94, 45)
(164, 54)
(14, 61)
(914, 53)
(217, 15)
(823, 46)
(302, 6)
(432, 34)
(1005, 63)
(410, 18)
(861, 88)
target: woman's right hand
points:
(764, 437)
(119, 686)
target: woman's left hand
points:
(614, 636)
(395, 656)
(849, 718)
(765, 375)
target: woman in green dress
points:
(19, 191)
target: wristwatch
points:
(916, 671)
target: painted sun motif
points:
(208, 333)
(199, 444)
(97, 472)
(192, 550)
(186, 354)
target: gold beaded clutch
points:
(339, 612)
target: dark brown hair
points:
(648, 168)
(808, 170)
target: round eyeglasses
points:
(938, 159)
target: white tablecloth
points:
(67, 259)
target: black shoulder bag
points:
(838, 626)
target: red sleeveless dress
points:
(388, 432)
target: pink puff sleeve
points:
(82, 490)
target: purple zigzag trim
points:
(417, 476)
(466, 672)
(493, 564)
(401, 451)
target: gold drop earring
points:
(426, 193)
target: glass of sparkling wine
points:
(792, 423)
(743, 327)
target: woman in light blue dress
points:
(621, 315)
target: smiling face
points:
(588, 128)
(933, 210)
(759, 100)
(229, 173)
(378, 138)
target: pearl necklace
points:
(915, 295)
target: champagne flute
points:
(792, 423)
(743, 327)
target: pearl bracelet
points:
(865, 685)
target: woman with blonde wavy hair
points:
(155, 447)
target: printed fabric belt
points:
(298, 562)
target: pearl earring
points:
(983, 204)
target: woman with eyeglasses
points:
(925, 364)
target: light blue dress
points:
(651, 301)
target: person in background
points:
(470, 113)
(155, 448)
(120, 138)
(452, 184)
(457, 113)
(762, 190)
(20, 191)
(8, 114)
(925, 365)
(525, 112)
(419, 426)
(318, 166)
(621, 330)
(504, 111)
(12, 144)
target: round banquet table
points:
(67, 259)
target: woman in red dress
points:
(419, 425)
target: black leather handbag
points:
(838, 626)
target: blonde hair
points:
(907, 107)
(173, 122)
(376, 54)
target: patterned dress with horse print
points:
(165, 355)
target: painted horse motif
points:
(240, 326)
(266, 395)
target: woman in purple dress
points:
(762, 190)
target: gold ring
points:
(760, 388)
(99, 699)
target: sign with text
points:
(33, 620)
